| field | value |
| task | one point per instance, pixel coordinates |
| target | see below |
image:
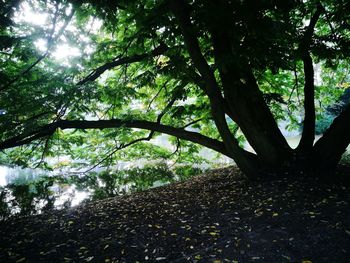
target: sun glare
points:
(64, 51)
(41, 44)
(27, 15)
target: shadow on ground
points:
(217, 217)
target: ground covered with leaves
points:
(216, 217)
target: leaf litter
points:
(216, 217)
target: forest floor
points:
(216, 217)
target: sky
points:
(62, 51)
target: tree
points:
(219, 67)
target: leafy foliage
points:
(133, 62)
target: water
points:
(62, 193)
(67, 194)
(3, 173)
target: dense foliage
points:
(208, 73)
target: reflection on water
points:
(72, 195)
(3, 172)
(18, 175)
(29, 191)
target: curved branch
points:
(49, 129)
(308, 134)
(306, 41)
(122, 61)
(118, 148)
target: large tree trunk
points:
(247, 162)
(244, 98)
(258, 126)
(329, 149)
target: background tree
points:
(201, 71)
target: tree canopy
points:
(207, 73)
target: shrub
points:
(144, 178)
(187, 171)
(345, 159)
(323, 123)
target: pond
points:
(31, 191)
(3, 173)
(30, 187)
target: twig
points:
(161, 88)
(109, 155)
(46, 147)
(192, 122)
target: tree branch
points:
(308, 134)
(330, 147)
(180, 9)
(118, 148)
(192, 122)
(49, 129)
(157, 94)
(122, 61)
(306, 41)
